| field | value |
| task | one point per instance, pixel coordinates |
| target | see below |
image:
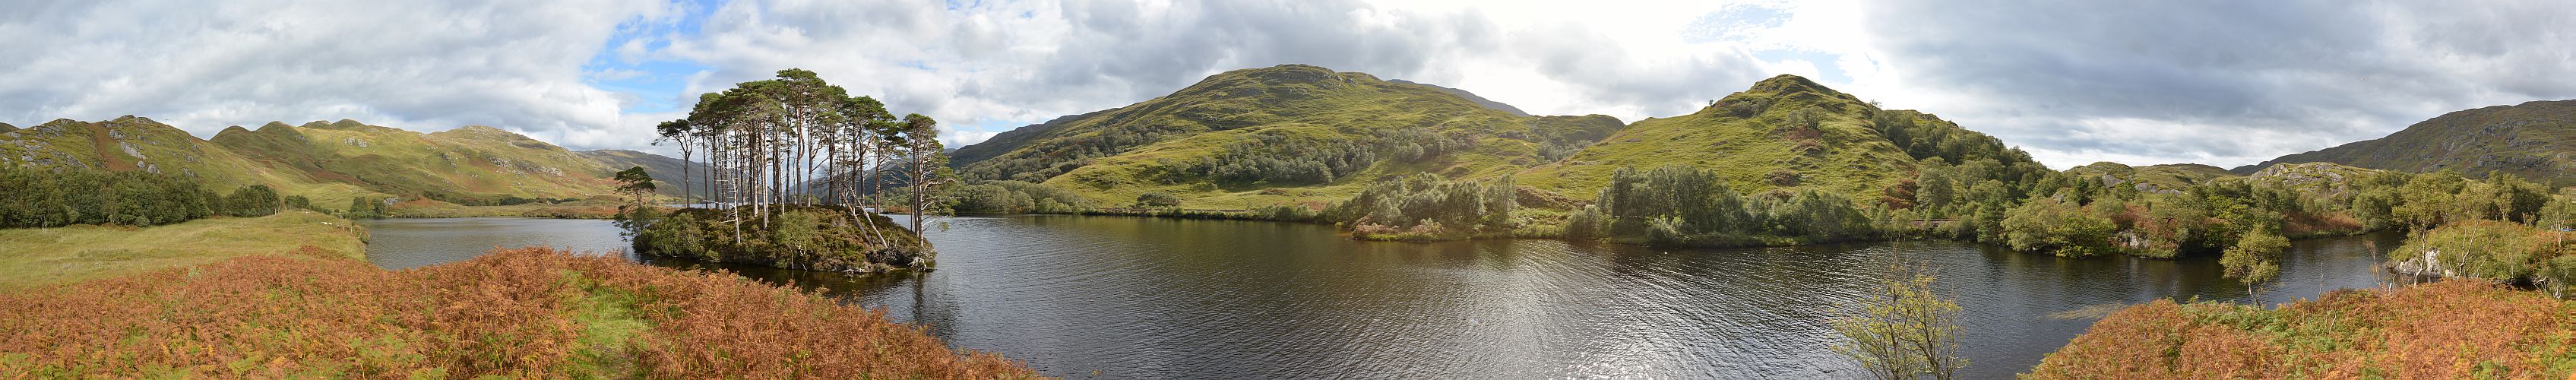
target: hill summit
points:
(1299, 133)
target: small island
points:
(796, 167)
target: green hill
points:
(1272, 135)
(1784, 132)
(135, 143)
(470, 165)
(2166, 179)
(1297, 133)
(2535, 140)
(1479, 100)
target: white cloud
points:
(420, 65)
(2213, 81)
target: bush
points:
(1450, 209)
(53, 198)
(2060, 227)
(1681, 205)
(1157, 199)
(253, 200)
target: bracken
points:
(531, 312)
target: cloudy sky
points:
(2142, 82)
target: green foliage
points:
(1904, 330)
(253, 200)
(634, 181)
(1281, 157)
(2255, 259)
(1010, 197)
(362, 207)
(1157, 199)
(54, 198)
(1426, 207)
(2061, 227)
(1686, 206)
(820, 238)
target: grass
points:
(534, 313)
(2447, 330)
(583, 209)
(50, 256)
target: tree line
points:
(1690, 206)
(32, 197)
(1423, 206)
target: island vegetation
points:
(794, 164)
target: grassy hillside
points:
(2165, 179)
(1784, 132)
(1472, 97)
(2534, 140)
(135, 143)
(1304, 134)
(44, 256)
(1318, 135)
(470, 165)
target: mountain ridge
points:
(2534, 139)
(332, 162)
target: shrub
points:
(1157, 199)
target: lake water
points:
(1130, 297)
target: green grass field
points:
(46, 256)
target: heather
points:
(514, 313)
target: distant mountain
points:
(1497, 106)
(1275, 134)
(663, 169)
(5, 127)
(333, 162)
(2534, 140)
(135, 143)
(469, 165)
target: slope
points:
(135, 143)
(2534, 140)
(1290, 133)
(1784, 132)
(2164, 179)
(1479, 100)
(473, 165)
(665, 170)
